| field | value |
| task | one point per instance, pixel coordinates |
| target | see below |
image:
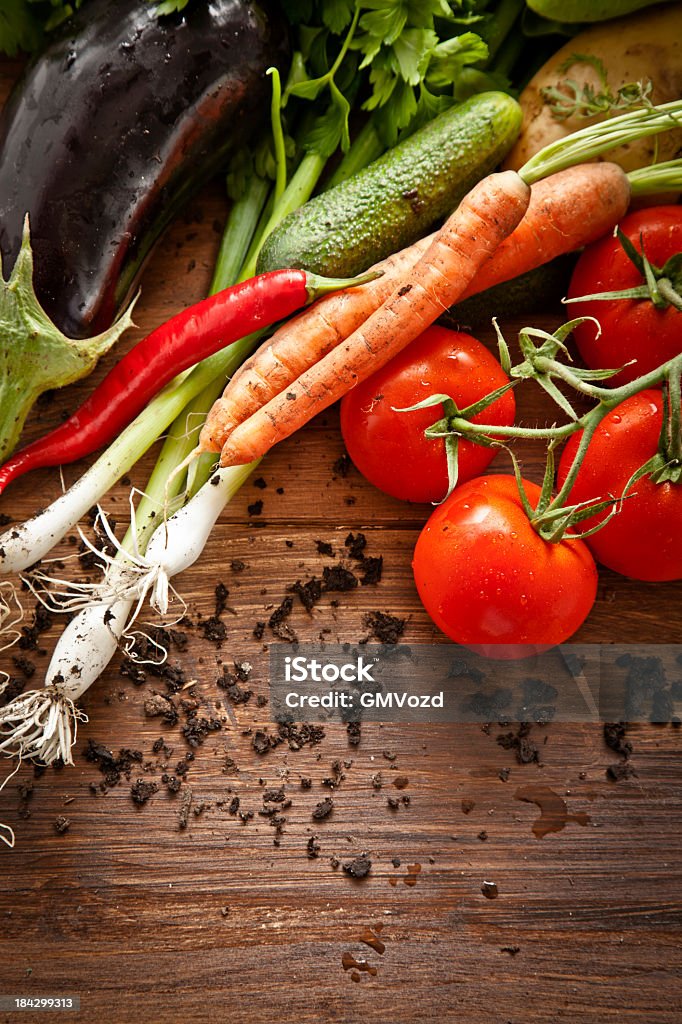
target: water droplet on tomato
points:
(615, 418)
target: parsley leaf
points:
(449, 57)
(383, 81)
(399, 112)
(308, 88)
(415, 57)
(331, 130)
(384, 22)
(412, 51)
(337, 14)
(170, 7)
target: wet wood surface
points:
(146, 920)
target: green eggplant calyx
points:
(34, 354)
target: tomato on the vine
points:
(631, 329)
(644, 539)
(389, 447)
(486, 576)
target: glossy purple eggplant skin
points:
(114, 126)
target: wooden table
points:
(146, 920)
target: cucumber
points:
(399, 197)
(573, 11)
(540, 288)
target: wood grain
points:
(147, 921)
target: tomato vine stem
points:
(553, 516)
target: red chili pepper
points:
(185, 339)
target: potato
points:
(644, 46)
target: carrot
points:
(485, 216)
(568, 210)
(299, 343)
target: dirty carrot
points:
(485, 216)
(184, 340)
(299, 343)
(568, 210)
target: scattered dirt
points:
(338, 578)
(278, 624)
(185, 807)
(490, 890)
(385, 628)
(323, 809)
(141, 791)
(527, 752)
(615, 738)
(30, 635)
(359, 867)
(25, 791)
(309, 593)
(112, 768)
(342, 466)
(231, 681)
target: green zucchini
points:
(541, 288)
(399, 197)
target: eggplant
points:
(114, 127)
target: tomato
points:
(485, 576)
(644, 540)
(631, 328)
(389, 447)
